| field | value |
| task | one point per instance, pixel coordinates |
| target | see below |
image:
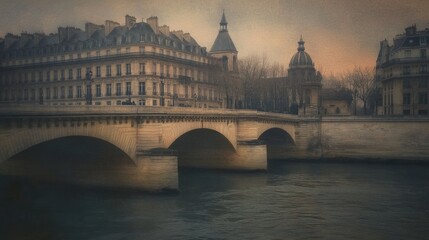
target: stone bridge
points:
(154, 138)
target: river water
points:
(294, 200)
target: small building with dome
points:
(299, 92)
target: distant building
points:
(299, 92)
(402, 73)
(336, 102)
(224, 49)
(136, 63)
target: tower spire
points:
(223, 23)
(301, 44)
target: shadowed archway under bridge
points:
(77, 160)
(203, 148)
(278, 142)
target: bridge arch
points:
(18, 140)
(226, 129)
(289, 129)
(203, 147)
(278, 142)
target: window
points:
(142, 88)
(98, 71)
(154, 68)
(79, 73)
(118, 89)
(26, 94)
(408, 53)
(108, 89)
(118, 51)
(154, 92)
(48, 76)
(128, 68)
(55, 92)
(78, 56)
(423, 53)
(108, 70)
(98, 90)
(423, 41)
(32, 94)
(118, 70)
(423, 98)
(48, 93)
(88, 54)
(142, 102)
(127, 50)
(406, 98)
(62, 92)
(70, 74)
(88, 90)
(62, 74)
(107, 52)
(406, 112)
(141, 49)
(142, 68)
(40, 76)
(423, 112)
(406, 70)
(128, 88)
(55, 75)
(155, 102)
(70, 93)
(97, 54)
(406, 84)
(423, 83)
(118, 102)
(79, 91)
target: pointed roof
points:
(223, 41)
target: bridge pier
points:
(158, 170)
(250, 156)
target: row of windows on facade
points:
(99, 54)
(408, 53)
(164, 71)
(60, 92)
(406, 70)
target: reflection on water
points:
(293, 201)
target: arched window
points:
(225, 63)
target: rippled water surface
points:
(292, 201)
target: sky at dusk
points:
(338, 34)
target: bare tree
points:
(252, 70)
(361, 80)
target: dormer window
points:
(423, 41)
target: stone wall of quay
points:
(362, 138)
(375, 138)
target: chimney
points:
(109, 26)
(153, 22)
(165, 30)
(187, 37)
(129, 21)
(90, 28)
(10, 39)
(179, 34)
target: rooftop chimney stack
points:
(110, 25)
(153, 22)
(165, 30)
(129, 21)
(90, 28)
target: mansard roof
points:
(139, 32)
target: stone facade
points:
(136, 63)
(402, 74)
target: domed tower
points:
(305, 82)
(224, 48)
